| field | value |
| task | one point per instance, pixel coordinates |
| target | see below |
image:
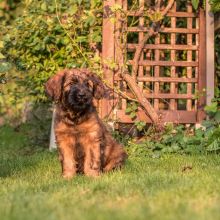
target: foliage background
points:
(45, 36)
(40, 37)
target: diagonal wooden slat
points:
(186, 39)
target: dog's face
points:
(78, 95)
(75, 89)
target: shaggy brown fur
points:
(85, 145)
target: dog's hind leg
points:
(115, 157)
(114, 163)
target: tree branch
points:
(169, 6)
(139, 49)
(152, 31)
(157, 3)
(131, 81)
(141, 99)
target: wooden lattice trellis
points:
(171, 70)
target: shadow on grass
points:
(9, 167)
(18, 153)
(20, 164)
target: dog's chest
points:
(83, 129)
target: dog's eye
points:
(74, 80)
(89, 83)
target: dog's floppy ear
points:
(99, 89)
(53, 86)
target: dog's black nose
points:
(80, 94)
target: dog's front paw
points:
(92, 173)
(68, 175)
(96, 165)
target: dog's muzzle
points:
(79, 98)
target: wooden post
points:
(202, 75)
(108, 52)
(52, 145)
(210, 59)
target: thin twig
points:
(141, 99)
(169, 6)
(158, 3)
(139, 49)
(116, 90)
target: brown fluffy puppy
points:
(85, 145)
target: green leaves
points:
(195, 4)
(44, 6)
(40, 44)
(90, 20)
(73, 9)
(131, 110)
(155, 16)
(4, 66)
(215, 5)
(1, 44)
(140, 125)
(214, 146)
(79, 2)
(2, 56)
(177, 139)
(2, 78)
(217, 116)
(211, 108)
(115, 7)
(213, 111)
(213, 139)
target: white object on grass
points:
(53, 144)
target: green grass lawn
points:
(170, 187)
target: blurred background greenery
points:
(38, 38)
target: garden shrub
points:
(46, 36)
(52, 35)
